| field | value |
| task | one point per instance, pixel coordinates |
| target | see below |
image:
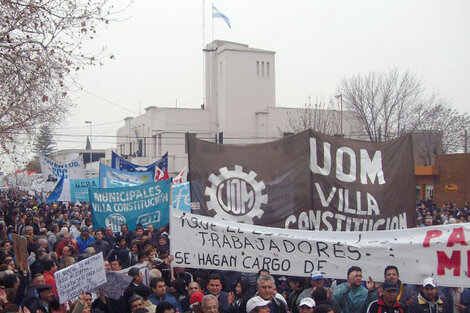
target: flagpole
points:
(203, 56)
(212, 21)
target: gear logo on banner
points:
(236, 195)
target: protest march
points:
(319, 224)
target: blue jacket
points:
(82, 243)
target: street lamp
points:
(340, 96)
(89, 122)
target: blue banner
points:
(181, 197)
(55, 194)
(113, 178)
(79, 188)
(158, 167)
(144, 204)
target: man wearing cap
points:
(266, 290)
(32, 293)
(74, 232)
(41, 304)
(406, 293)
(351, 296)
(316, 281)
(257, 305)
(196, 302)
(84, 240)
(428, 299)
(387, 302)
(307, 305)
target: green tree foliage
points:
(44, 144)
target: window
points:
(257, 68)
(267, 69)
(262, 68)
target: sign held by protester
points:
(306, 181)
(114, 178)
(145, 204)
(82, 276)
(209, 243)
(21, 252)
(116, 284)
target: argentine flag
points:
(217, 14)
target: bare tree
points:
(41, 49)
(316, 115)
(390, 104)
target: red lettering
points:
(457, 236)
(444, 262)
(468, 263)
(430, 235)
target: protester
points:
(351, 296)
(307, 305)
(210, 304)
(428, 300)
(257, 305)
(266, 290)
(387, 302)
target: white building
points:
(239, 104)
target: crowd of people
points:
(428, 214)
(61, 234)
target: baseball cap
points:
(76, 221)
(196, 298)
(390, 285)
(84, 228)
(307, 302)
(316, 275)
(429, 281)
(254, 303)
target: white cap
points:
(255, 302)
(308, 302)
(316, 275)
(429, 281)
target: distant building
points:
(239, 108)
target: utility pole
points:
(465, 145)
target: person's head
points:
(316, 279)
(193, 287)
(355, 276)
(38, 280)
(99, 235)
(158, 286)
(139, 232)
(195, 301)
(107, 266)
(67, 250)
(165, 307)
(137, 276)
(124, 228)
(109, 231)
(391, 273)
(320, 295)
(210, 304)
(214, 286)
(306, 305)
(263, 272)
(50, 265)
(135, 248)
(242, 287)
(6, 245)
(66, 239)
(45, 293)
(88, 300)
(429, 289)
(122, 242)
(115, 265)
(265, 286)
(135, 302)
(257, 305)
(390, 292)
(84, 232)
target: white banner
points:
(53, 171)
(82, 276)
(438, 251)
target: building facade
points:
(239, 108)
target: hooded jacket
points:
(422, 305)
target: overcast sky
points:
(158, 57)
